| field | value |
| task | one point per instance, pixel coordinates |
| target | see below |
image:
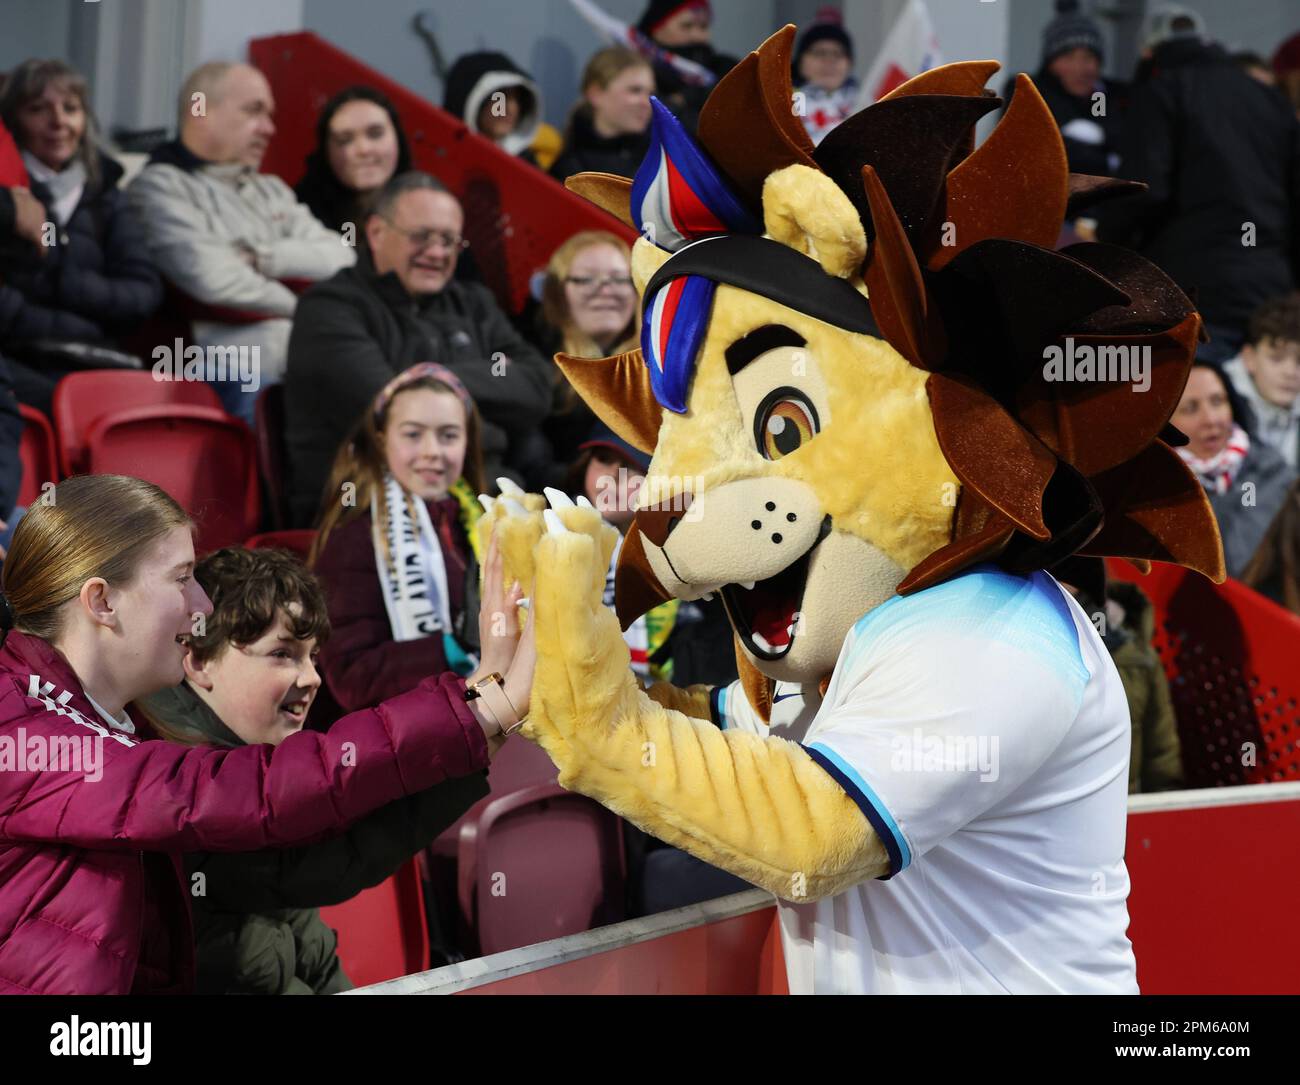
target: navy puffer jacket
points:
(95, 282)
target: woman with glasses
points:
(588, 309)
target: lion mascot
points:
(882, 411)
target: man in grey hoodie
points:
(227, 236)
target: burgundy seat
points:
(381, 930)
(38, 452)
(82, 399)
(201, 456)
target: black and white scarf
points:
(414, 578)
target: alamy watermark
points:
(1085, 363)
(920, 752)
(212, 364)
(37, 752)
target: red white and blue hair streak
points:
(679, 197)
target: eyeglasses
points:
(591, 284)
(425, 239)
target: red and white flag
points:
(910, 48)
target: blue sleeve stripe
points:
(717, 706)
(900, 855)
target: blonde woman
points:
(98, 604)
(609, 128)
(589, 309)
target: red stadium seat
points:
(82, 399)
(381, 930)
(1230, 657)
(536, 864)
(296, 540)
(201, 456)
(39, 453)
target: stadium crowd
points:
(404, 388)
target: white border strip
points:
(515, 962)
(1213, 796)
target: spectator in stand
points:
(1087, 108)
(415, 469)
(823, 74)
(589, 309)
(1267, 374)
(1286, 70)
(360, 147)
(399, 306)
(1125, 619)
(501, 102)
(609, 129)
(1220, 154)
(226, 236)
(1274, 571)
(99, 600)
(11, 463)
(684, 28)
(85, 277)
(249, 680)
(1246, 479)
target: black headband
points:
(773, 271)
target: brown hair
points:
(248, 588)
(28, 81)
(603, 67)
(1276, 563)
(361, 461)
(555, 303)
(1277, 319)
(93, 526)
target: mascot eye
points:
(785, 421)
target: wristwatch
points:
(491, 690)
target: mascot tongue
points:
(771, 605)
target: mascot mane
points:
(956, 259)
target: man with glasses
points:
(398, 306)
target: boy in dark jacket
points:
(256, 924)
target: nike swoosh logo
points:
(784, 697)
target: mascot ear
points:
(807, 211)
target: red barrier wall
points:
(515, 215)
(1215, 895)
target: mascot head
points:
(864, 367)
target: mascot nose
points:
(656, 522)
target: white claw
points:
(487, 503)
(509, 487)
(558, 498)
(707, 597)
(554, 525)
(514, 508)
(748, 585)
(583, 503)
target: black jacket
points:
(97, 279)
(354, 332)
(685, 100)
(586, 150)
(256, 927)
(1220, 153)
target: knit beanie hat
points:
(1170, 22)
(828, 25)
(1070, 30)
(658, 12)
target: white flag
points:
(910, 49)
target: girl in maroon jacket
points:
(98, 601)
(395, 547)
